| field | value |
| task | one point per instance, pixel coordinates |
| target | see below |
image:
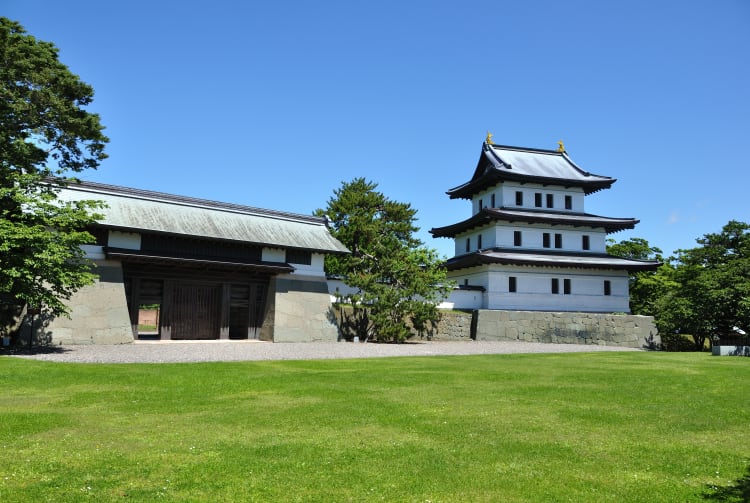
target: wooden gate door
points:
(247, 302)
(256, 307)
(196, 311)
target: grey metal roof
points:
(551, 259)
(145, 211)
(547, 217)
(498, 163)
(539, 163)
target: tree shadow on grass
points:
(738, 492)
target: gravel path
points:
(213, 351)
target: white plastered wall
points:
(502, 236)
(534, 288)
(126, 240)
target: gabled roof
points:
(136, 210)
(499, 163)
(488, 215)
(549, 259)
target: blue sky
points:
(274, 104)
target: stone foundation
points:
(538, 326)
(99, 313)
(567, 328)
(299, 310)
(738, 350)
(453, 326)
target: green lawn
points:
(621, 427)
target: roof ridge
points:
(527, 149)
(563, 154)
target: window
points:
(492, 201)
(468, 244)
(568, 202)
(538, 199)
(511, 284)
(466, 281)
(516, 238)
(480, 205)
(558, 240)
(303, 257)
(545, 240)
(519, 198)
(585, 243)
(479, 242)
(607, 287)
(555, 285)
(550, 200)
(566, 286)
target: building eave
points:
(492, 178)
(488, 215)
(557, 259)
(137, 256)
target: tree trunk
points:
(11, 318)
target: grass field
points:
(622, 427)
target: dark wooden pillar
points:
(165, 331)
(135, 292)
(226, 300)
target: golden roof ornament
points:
(488, 140)
(560, 146)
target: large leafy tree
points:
(702, 292)
(396, 279)
(46, 136)
(713, 297)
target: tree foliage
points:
(395, 278)
(645, 286)
(46, 136)
(712, 300)
(703, 292)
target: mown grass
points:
(569, 427)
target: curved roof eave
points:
(549, 259)
(491, 178)
(531, 216)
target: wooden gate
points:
(196, 311)
(247, 302)
(196, 304)
(257, 305)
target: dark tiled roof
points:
(549, 259)
(488, 215)
(498, 163)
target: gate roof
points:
(135, 210)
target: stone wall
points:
(453, 326)
(99, 313)
(299, 310)
(567, 328)
(538, 326)
(738, 350)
